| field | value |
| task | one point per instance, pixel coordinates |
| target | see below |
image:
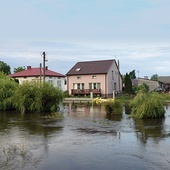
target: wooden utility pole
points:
(44, 60)
(40, 73)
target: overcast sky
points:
(135, 32)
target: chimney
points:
(28, 67)
(118, 64)
(46, 67)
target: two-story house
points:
(37, 74)
(99, 77)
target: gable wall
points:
(114, 80)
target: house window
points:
(50, 82)
(58, 83)
(94, 85)
(78, 69)
(94, 77)
(78, 77)
(115, 86)
(78, 86)
(112, 75)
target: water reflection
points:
(86, 138)
(25, 139)
(149, 128)
(114, 117)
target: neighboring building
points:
(100, 77)
(164, 82)
(151, 83)
(36, 74)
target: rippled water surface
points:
(86, 138)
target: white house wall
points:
(52, 80)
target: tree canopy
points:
(18, 69)
(4, 67)
(154, 77)
(128, 84)
(147, 105)
(132, 74)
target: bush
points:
(113, 107)
(7, 88)
(50, 97)
(147, 105)
(30, 97)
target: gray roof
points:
(164, 79)
(91, 67)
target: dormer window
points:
(78, 69)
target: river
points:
(85, 139)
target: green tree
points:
(147, 105)
(18, 69)
(7, 88)
(30, 97)
(154, 77)
(128, 84)
(132, 74)
(5, 68)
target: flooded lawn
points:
(86, 138)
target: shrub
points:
(50, 97)
(30, 97)
(26, 97)
(7, 88)
(113, 107)
(147, 105)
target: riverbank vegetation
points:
(7, 88)
(29, 97)
(111, 106)
(147, 105)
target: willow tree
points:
(7, 88)
(147, 105)
(30, 97)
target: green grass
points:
(125, 98)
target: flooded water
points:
(86, 138)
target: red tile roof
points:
(32, 72)
(91, 67)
